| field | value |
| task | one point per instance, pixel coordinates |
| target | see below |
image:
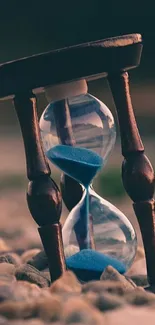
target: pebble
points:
(29, 254)
(39, 261)
(7, 278)
(100, 287)
(7, 272)
(18, 309)
(3, 246)
(140, 280)
(11, 258)
(105, 301)
(112, 274)
(66, 283)
(6, 292)
(47, 309)
(140, 298)
(26, 272)
(33, 321)
(19, 291)
(24, 290)
(7, 269)
(131, 315)
(50, 308)
(77, 310)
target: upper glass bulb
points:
(80, 120)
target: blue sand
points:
(79, 163)
(82, 165)
(89, 264)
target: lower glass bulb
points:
(109, 233)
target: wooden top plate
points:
(88, 60)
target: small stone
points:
(50, 308)
(7, 272)
(6, 292)
(140, 298)
(34, 321)
(18, 309)
(47, 308)
(7, 269)
(140, 280)
(7, 279)
(111, 274)
(11, 258)
(131, 315)
(66, 283)
(19, 291)
(77, 310)
(29, 254)
(39, 261)
(26, 272)
(3, 246)
(110, 286)
(24, 290)
(105, 301)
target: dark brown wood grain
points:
(43, 196)
(71, 63)
(26, 109)
(137, 171)
(51, 236)
(131, 141)
(145, 212)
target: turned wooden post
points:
(43, 196)
(137, 172)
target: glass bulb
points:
(109, 233)
(82, 121)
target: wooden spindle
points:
(43, 196)
(137, 171)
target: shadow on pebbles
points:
(28, 298)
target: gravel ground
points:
(26, 296)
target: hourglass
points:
(22, 80)
(78, 133)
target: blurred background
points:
(27, 28)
